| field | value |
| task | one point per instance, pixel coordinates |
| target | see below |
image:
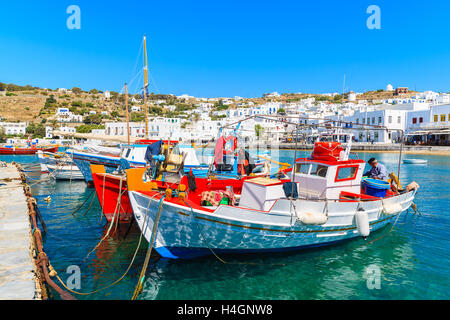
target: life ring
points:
(233, 147)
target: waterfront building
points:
(429, 126)
(49, 130)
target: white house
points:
(429, 126)
(391, 119)
(351, 96)
(14, 127)
(64, 115)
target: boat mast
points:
(145, 85)
(128, 119)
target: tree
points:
(77, 103)
(93, 119)
(281, 111)
(258, 130)
(2, 135)
(2, 86)
(93, 91)
(50, 102)
(76, 90)
(36, 131)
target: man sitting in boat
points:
(378, 171)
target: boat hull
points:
(110, 191)
(186, 233)
(84, 161)
(24, 151)
(65, 172)
(414, 161)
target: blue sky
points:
(228, 48)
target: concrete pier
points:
(17, 267)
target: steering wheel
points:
(320, 170)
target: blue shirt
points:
(379, 171)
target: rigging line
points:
(138, 56)
(153, 82)
(137, 75)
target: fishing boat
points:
(172, 162)
(84, 158)
(53, 158)
(25, 150)
(64, 172)
(324, 202)
(415, 161)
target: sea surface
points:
(410, 261)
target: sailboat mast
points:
(128, 119)
(145, 85)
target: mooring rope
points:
(76, 210)
(219, 258)
(108, 286)
(140, 284)
(111, 223)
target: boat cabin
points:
(328, 172)
(318, 179)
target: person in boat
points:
(153, 149)
(246, 164)
(378, 171)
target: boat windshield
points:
(312, 169)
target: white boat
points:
(65, 172)
(46, 158)
(415, 161)
(261, 214)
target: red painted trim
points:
(330, 163)
(346, 179)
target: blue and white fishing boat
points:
(323, 203)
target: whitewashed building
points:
(14, 128)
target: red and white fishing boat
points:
(325, 201)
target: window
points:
(357, 121)
(414, 120)
(399, 119)
(302, 168)
(373, 120)
(420, 120)
(390, 119)
(442, 117)
(363, 121)
(379, 119)
(346, 173)
(435, 118)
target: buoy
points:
(362, 222)
(48, 199)
(392, 208)
(313, 218)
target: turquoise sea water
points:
(413, 259)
